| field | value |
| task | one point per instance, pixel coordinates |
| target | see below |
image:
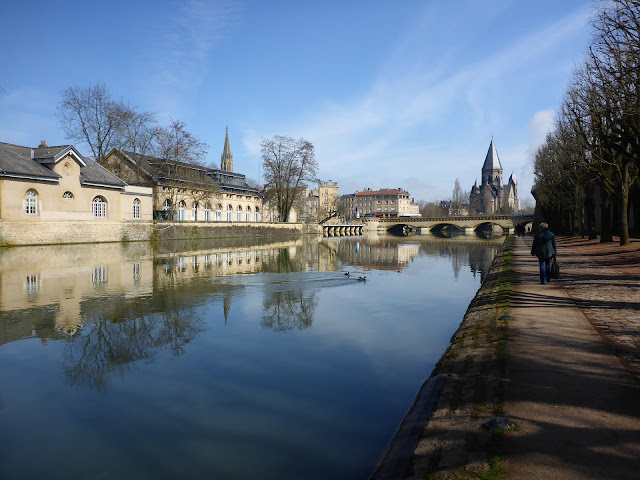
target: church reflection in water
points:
(115, 304)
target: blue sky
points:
(392, 94)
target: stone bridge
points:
(466, 224)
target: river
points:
(233, 360)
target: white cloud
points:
(185, 50)
(537, 129)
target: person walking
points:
(544, 247)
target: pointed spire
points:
(492, 161)
(513, 178)
(227, 157)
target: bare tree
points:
(137, 134)
(597, 143)
(179, 150)
(458, 199)
(287, 165)
(433, 209)
(90, 116)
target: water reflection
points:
(195, 353)
(118, 304)
(109, 347)
(386, 252)
(288, 310)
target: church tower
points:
(491, 196)
(492, 169)
(227, 157)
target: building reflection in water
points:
(386, 252)
(116, 304)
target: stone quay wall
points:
(23, 232)
(16, 232)
(195, 230)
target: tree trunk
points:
(605, 216)
(624, 205)
(590, 214)
(575, 222)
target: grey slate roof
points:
(26, 162)
(155, 168)
(96, 174)
(492, 161)
(16, 161)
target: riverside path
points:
(574, 364)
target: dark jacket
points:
(544, 245)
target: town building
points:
(386, 202)
(57, 183)
(347, 206)
(491, 196)
(320, 203)
(327, 198)
(188, 192)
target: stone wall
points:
(194, 230)
(16, 232)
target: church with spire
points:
(491, 195)
(226, 159)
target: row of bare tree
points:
(593, 155)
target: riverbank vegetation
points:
(587, 169)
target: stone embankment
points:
(442, 435)
(22, 232)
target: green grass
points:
(495, 470)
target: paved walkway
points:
(575, 402)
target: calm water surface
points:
(243, 360)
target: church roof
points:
(492, 161)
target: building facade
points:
(491, 196)
(386, 203)
(57, 183)
(320, 203)
(188, 192)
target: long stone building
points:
(491, 196)
(386, 202)
(187, 192)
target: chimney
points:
(43, 144)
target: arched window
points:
(207, 213)
(219, 213)
(166, 206)
(195, 212)
(67, 195)
(136, 208)
(229, 213)
(239, 214)
(181, 209)
(99, 207)
(257, 214)
(248, 214)
(31, 202)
